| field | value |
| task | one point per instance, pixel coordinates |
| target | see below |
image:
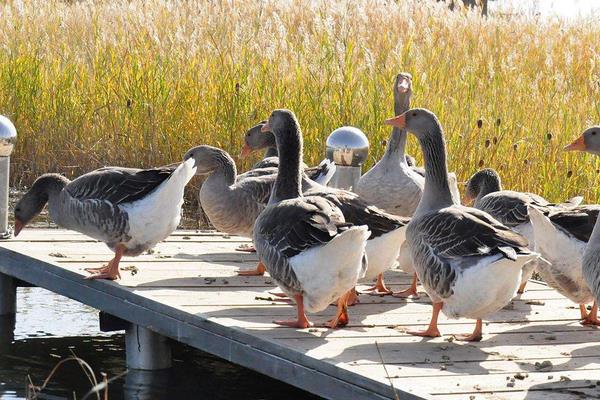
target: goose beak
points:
(403, 84)
(266, 127)
(18, 226)
(578, 144)
(245, 151)
(398, 121)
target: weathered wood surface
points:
(187, 289)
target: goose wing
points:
(456, 238)
(359, 212)
(290, 227)
(578, 222)
(118, 185)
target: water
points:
(50, 327)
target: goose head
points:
(256, 140)
(32, 203)
(589, 141)
(481, 183)
(208, 159)
(418, 121)
(283, 125)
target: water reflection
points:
(49, 328)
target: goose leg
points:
(353, 298)
(341, 319)
(379, 289)
(302, 321)
(476, 336)
(432, 330)
(583, 312)
(258, 271)
(592, 318)
(110, 271)
(411, 291)
(521, 289)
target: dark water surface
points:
(48, 327)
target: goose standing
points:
(509, 207)
(309, 250)
(130, 210)
(561, 237)
(232, 204)
(254, 139)
(589, 141)
(469, 263)
(387, 230)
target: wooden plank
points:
(231, 344)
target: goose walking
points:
(589, 141)
(484, 188)
(304, 242)
(469, 263)
(130, 210)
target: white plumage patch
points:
(328, 271)
(382, 252)
(157, 215)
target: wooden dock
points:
(187, 290)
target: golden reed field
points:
(138, 82)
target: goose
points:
(387, 230)
(393, 184)
(232, 204)
(129, 209)
(468, 262)
(307, 247)
(561, 237)
(589, 141)
(484, 188)
(254, 140)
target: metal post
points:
(348, 147)
(8, 137)
(146, 349)
(4, 175)
(8, 295)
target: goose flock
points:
(317, 243)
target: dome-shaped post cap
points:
(8, 137)
(347, 146)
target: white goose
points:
(304, 242)
(469, 264)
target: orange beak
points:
(467, 199)
(266, 128)
(398, 121)
(18, 226)
(578, 144)
(245, 151)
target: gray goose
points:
(254, 140)
(231, 203)
(387, 230)
(130, 210)
(308, 248)
(510, 208)
(589, 141)
(392, 184)
(469, 263)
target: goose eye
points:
(593, 132)
(414, 114)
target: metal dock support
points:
(145, 349)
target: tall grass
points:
(137, 82)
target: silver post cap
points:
(8, 136)
(347, 146)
